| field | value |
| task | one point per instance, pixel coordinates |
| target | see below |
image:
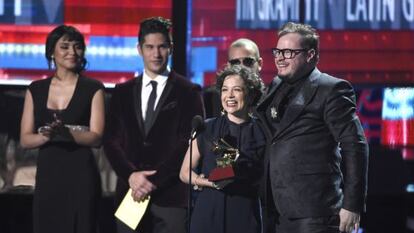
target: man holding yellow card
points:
(147, 134)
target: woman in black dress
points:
(230, 205)
(63, 116)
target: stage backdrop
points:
(110, 29)
(368, 42)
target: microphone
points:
(196, 124)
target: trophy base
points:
(221, 173)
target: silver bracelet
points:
(77, 128)
(42, 129)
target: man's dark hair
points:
(154, 25)
(72, 34)
(310, 37)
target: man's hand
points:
(349, 221)
(140, 185)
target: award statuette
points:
(224, 172)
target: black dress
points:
(68, 186)
(236, 208)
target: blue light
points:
(103, 53)
(203, 59)
(398, 103)
(410, 188)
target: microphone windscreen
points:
(197, 123)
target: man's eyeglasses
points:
(246, 61)
(287, 53)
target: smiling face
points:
(233, 97)
(155, 51)
(296, 66)
(68, 54)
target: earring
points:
(223, 112)
(52, 63)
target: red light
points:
(397, 132)
(407, 153)
(329, 37)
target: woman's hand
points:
(56, 130)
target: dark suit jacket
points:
(128, 148)
(318, 131)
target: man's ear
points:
(311, 55)
(171, 48)
(260, 63)
(139, 49)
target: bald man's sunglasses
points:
(246, 61)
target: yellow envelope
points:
(131, 212)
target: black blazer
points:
(128, 148)
(319, 131)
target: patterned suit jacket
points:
(317, 161)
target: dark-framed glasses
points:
(246, 61)
(287, 53)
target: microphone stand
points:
(196, 124)
(190, 197)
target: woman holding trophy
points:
(229, 153)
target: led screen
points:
(365, 42)
(110, 29)
(368, 42)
